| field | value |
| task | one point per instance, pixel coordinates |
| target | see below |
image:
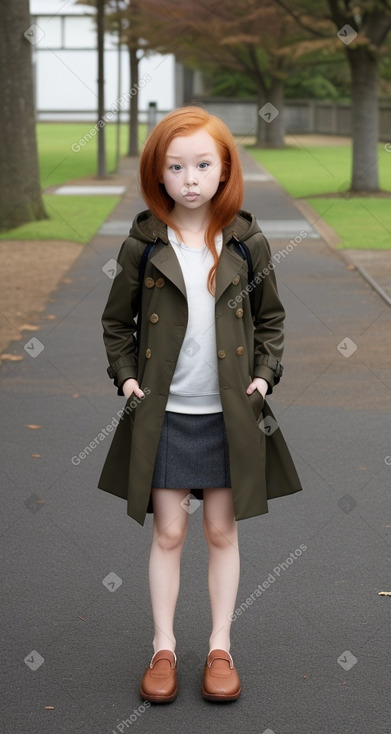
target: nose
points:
(191, 179)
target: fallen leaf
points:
(351, 267)
(12, 357)
(32, 426)
(36, 456)
(51, 317)
(28, 327)
(82, 618)
(50, 708)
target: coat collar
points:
(230, 264)
(165, 259)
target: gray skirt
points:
(192, 453)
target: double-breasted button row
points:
(154, 318)
(148, 353)
(222, 353)
(236, 280)
(239, 313)
(150, 282)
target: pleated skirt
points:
(193, 453)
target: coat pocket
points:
(257, 402)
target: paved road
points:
(313, 649)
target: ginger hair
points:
(229, 196)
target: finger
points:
(252, 386)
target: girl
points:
(195, 346)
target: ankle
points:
(219, 643)
(163, 642)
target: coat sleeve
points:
(269, 315)
(119, 316)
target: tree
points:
(127, 19)
(20, 190)
(100, 18)
(252, 37)
(362, 30)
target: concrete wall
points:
(300, 116)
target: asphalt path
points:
(312, 649)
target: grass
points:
(361, 223)
(59, 163)
(306, 172)
(75, 218)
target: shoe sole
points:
(159, 699)
(220, 698)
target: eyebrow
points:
(198, 155)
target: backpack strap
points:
(246, 255)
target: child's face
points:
(192, 170)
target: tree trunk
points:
(275, 128)
(365, 116)
(20, 189)
(261, 127)
(102, 172)
(133, 110)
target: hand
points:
(259, 384)
(131, 386)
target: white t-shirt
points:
(195, 386)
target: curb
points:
(331, 239)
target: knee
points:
(171, 537)
(220, 535)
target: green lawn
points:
(305, 172)
(74, 218)
(60, 163)
(361, 223)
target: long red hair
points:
(229, 195)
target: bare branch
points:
(298, 20)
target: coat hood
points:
(146, 227)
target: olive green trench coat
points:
(261, 466)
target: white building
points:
(64, 39)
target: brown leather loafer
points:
(159, 682)
(221, 680)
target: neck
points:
(191, 221)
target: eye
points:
(175, 167)
(203, 165)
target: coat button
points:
(239, 313)
(236, 280)
(148, 353)
(160, 283)
(149, 282)
(221, 354)
(154, 318)
(240, 351)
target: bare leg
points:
(170, 523)
(221, 533)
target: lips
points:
(190, 193)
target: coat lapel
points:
(230, 264)
(166, 261)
